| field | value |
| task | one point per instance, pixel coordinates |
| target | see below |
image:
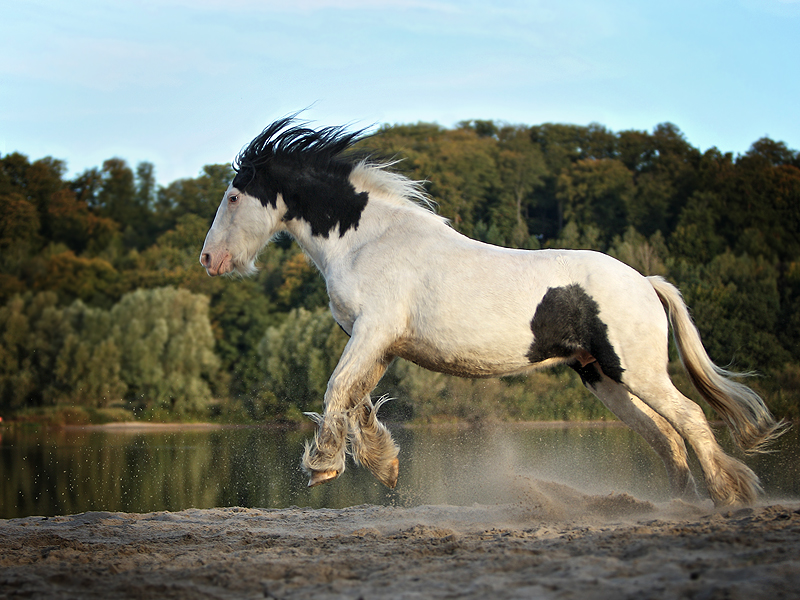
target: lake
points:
(66, 471)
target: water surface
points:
(66, 471)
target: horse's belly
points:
(462, 361)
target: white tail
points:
(752, 425)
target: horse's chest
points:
(344, 317)
(343, 308)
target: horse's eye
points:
(233, 199)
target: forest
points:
(106, 313)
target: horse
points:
(403, 283)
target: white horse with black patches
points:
(403, 283)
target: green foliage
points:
(297, 359)
(735, 302)
(199, 196)
(25, 352)
(241, 313)
(167, 350)
(646, 256)
(88, 368)
(20, 224)
(596, 192)
(152, 351)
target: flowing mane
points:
(380, 181)
(287, 140)
(307, 166)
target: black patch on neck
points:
(566, 320)
(309, 169)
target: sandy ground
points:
(554, 542)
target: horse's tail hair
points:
(751, 424)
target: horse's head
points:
(242, 226)
(288, 173)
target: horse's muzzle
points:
(216, 265)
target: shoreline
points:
(150, 425)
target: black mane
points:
(309, 168)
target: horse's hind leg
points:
(728, 480)
(655, 430)
(371, 444)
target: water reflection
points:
(50, 472)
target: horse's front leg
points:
(361, 366)
(371, 444)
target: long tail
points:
(752, 425)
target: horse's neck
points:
(324, 251)
(328, 252)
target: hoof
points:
(392, 473)
(318, 477)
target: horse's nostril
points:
(205, 259)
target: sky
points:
(185, 83)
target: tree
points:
(20, 224)
(695, 238)
(117, 193)
(573, 237)
(302, 284)
(36, 182)
(596, 192)
(736, 304)
(521, 167)
(459, 166)
(199, 196)
(636, 150)
(146, 186)
(17, 382)
(646, 256)
(649, 208)
(769, 205)
(74, 224)
(241, 314)
(776, 154)
(126, 198)
(167, 350)
(30, 338)
(564, 145)
(93, 280)
(88, 368)
(154, 350)
(298, 357)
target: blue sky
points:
(184, 83)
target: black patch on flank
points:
(309, 169)
(566, 320)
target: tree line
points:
(106, 310)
